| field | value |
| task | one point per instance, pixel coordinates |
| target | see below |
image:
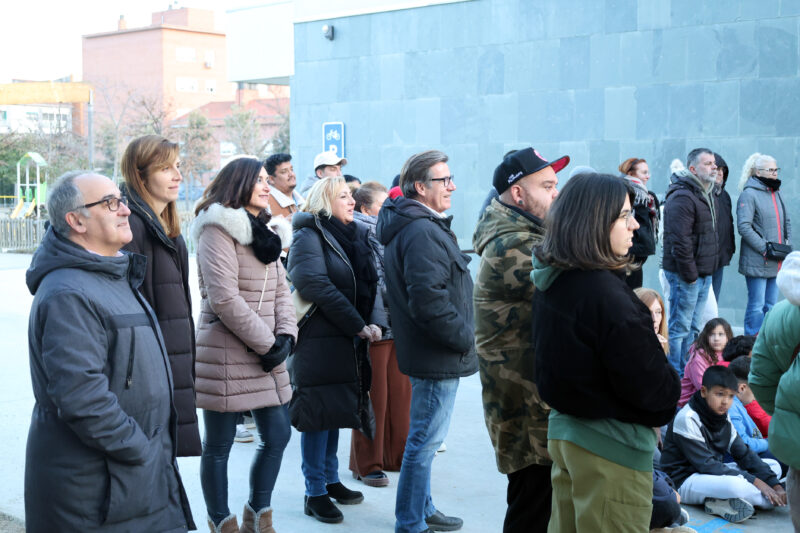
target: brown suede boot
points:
(229, 525)
(256, 522)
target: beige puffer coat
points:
(245, 304)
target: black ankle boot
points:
(343, 495)
(322, 508)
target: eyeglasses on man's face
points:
(111, 202)
(445, 180)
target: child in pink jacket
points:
(703, 353)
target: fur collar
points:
(237, 225)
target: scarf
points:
(359, 254)
(643, 197)
(769, 182)
(266, 244)
(709, 418)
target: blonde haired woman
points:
(151, 167)
(762, 222)
(655, 303)
(331, 265)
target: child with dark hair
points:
(696, 443)
(704, 352)
(737, 346)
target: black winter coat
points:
(429, 289)
(166, 289)
(725, 234)
(597, 355)
(644, 238)
(330, 369)
(690, 236)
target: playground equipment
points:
(33, 194)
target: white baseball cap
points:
(788, 280)
(328, 158)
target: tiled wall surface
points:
(598, 80)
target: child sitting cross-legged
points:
(699, 438)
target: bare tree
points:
(197, 144)
(115, 109)
(244, 131)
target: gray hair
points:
(694, 156)
(417, 169)
(64, 196)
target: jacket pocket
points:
(137, 490)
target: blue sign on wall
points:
(333, 137)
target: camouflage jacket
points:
(516, 416)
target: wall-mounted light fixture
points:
(327, 31)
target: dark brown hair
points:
(628, 167)
(233, 186)
(701, 344)
(142, 157)
(578, 225)
(418, 169)
(365, 195)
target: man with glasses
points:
(101, 445)
(429, 290)
(326, 165)
(516, 416)
(690, 249)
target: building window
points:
(32, 115)
(211, 86)
(185, 54)
(186, 85)
(209, 59)
(3, 116)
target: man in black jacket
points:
(429, 289)
(690, 249)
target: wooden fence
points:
(20, 234)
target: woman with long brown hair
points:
(151, 167)
(246, 330)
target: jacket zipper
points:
(129, 375)
(263, 288)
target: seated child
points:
(654, 302)
(743, 345)
(739, 345)
(696, 442)
(667, 511)
(703, 353)
(745, 426)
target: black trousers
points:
(529, 496)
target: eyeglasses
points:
(112, 203)
(445, 180)
(626, 215)
(769, 170)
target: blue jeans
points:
(320, 464)
(274, 429)
(686, 302)
(762, 293)
(432, 402)
(716, 282)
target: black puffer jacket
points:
(329, 370)
(644, 238)
(596, 353)
(690, 236)
(429, 289)
(725, 234)
(166, 289)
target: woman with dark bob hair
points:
(151, 167)
(332, 268)
(246, 330)
(599, 363)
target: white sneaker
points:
(249, 423)
(242, 435)
(442, 448)
(733, 509)
(684, 517)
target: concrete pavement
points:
(465, 479)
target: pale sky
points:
(41, 40)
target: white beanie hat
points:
(789, 278)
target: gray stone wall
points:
(598, 80)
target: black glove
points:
(283, 346)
